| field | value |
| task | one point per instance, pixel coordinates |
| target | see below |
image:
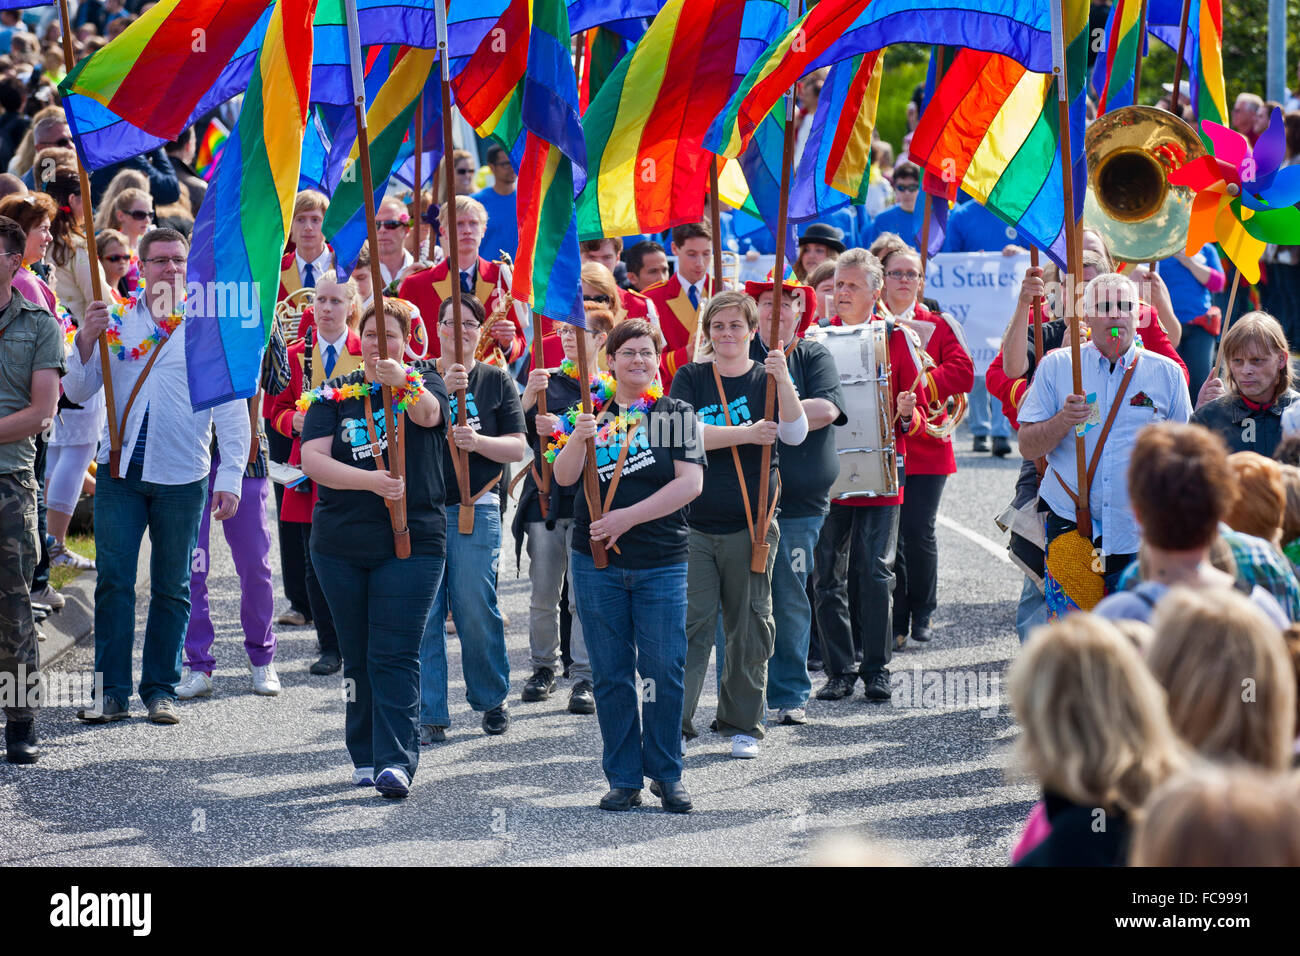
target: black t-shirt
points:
(492, 408)
(810, 468)
(719, 509)
(1053, 336)
(561, 394)
(355, 524)
(671, 435)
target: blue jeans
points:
(124, 508)
(984, 412)
(472, 577)
(788, 683)
(635, 621)
(1031, 612)
(1196, 350)
(379, 609)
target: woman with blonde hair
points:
(1250, 409)
(1219, 816)
(1229, 682)
(1095, 735)
(114, 258)
(130, 213)
(123, 179)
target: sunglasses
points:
(596, 298)
(392, 224)
(139, 215)
(465, 172)
(907, 189)
(118, 258)
(65, 143)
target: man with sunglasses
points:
(1121, 381)
(904, 218)
(393, 222)
(427, 288)
(498, 199)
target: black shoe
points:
(673, 796)
(713, 725)
(20, 742)
(496, 720)
(878, 689)
(329, 663)
(621, 798)
(814, 666)
(582, 699)
(921, 633)
(539, 686)
(981, 443)
(837, 688)
(109, 710)
(1001, 447)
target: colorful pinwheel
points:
(1245, 198)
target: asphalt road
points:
(253, 780)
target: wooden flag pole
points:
(396, 453)
(1074, 255)
(1227, 321)
(419, 179)
(925, 243)
(1178, 60)
(543, 466)
(459, 457)
(590, 480)
(96, 287)
(715, 221)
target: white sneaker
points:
(63, 557)
(792, 715)
(744, 747)
(193, 684)
(363, 777)
(265, 680)
(47, 595)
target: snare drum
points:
(865, 443)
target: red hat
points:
(756, 289)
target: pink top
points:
(34, 289)
(1036, 830)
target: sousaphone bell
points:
(1131, 151)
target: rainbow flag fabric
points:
(234, 265)
(993, 129)
(1114, 71)
(1203, 53)
(210, 147)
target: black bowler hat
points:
(828, 236)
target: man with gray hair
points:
(1125, 388)
(1246, 112)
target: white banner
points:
(979, 290)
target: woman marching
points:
(649, 466)
(728, 391)
(930, 460)
(550, 532)
(493, 435)
(380, 603)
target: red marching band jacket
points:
(635, 305)
(298, 504)
(677, 321)
(954, 374)
(426, 290)
(904, 367)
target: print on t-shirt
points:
(739, 409)
(471, 411)
(639, 453)
(358, 438)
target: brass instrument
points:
(289, 310)
(488, 350)
(1131, 152)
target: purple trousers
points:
(249, 537)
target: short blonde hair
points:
(465, 206)
(730, 299)
(1216, 816)
(1095, 727)
(310, 200)
(1230, 685)
(1260, 505)
(1261, 333)
(350, 287)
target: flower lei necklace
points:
(162, 332)
(602, 392)
(403, 397)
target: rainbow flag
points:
(645, 128)
(244, 221)
(1203, 53)
(110, 123)
(992, 128)
(389, 121)
(214, 140)
(1113, 73)
(835, 30)
(526, 98)
(603, 48)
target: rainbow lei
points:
(403, 398)
(161, 333)
(602, 391)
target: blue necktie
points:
(137, 453)
(694, 296)
(330, 355)
(309, 277)
(467, 282)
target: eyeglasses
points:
(165, 260)
(118, 257)
(907, 189)
(466, 171)
(910, 274)
(471, 325)
(628, 355)
(596, 298)
(139, 215)
(392, 223)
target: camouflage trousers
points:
(18, 645)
